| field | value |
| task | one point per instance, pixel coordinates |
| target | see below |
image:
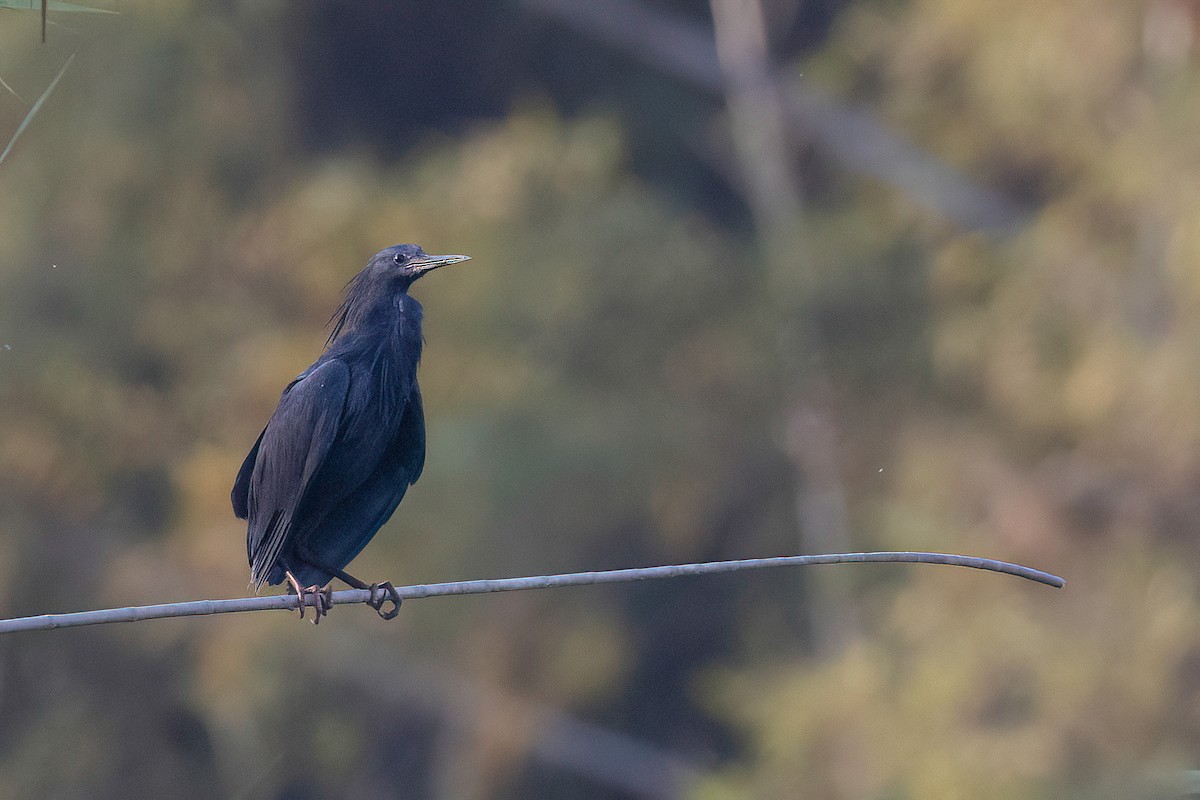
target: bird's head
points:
(376, 287)
(404, 263)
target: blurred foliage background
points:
(750, 277)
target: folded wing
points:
(273, 485)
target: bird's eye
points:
(399, 259)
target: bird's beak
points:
(429, 263)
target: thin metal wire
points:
(289, 602)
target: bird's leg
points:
(322, 601)
(381, 593)
(322, 598)
(294, 586)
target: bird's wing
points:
(241, 486)
(290, 452)
(411, 436)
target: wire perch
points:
(289, 601)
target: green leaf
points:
(36, 107)
(52, 5)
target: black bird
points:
(346, 441)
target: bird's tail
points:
(262, 560)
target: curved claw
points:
(382, 594)
(322, 601)
(294, 586)
(321, 598)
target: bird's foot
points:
(322, 601)
(321, 598)
(381, 595)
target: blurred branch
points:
(12, 91)
(34, 110)
(758, 121)
(820, 509)
(290, 602)
(850, 133)
(551, 736)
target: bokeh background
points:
(750, 277)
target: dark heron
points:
(345, 443)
